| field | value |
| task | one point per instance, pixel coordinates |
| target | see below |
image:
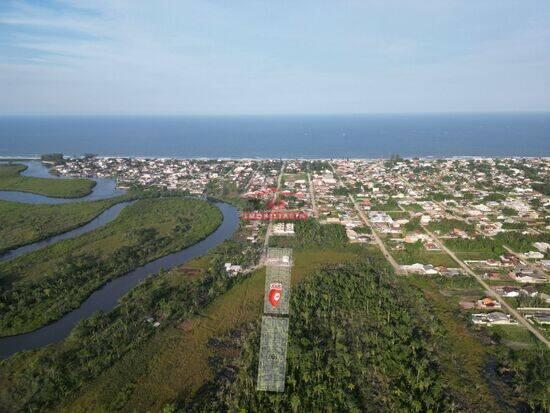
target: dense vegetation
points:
(495, 197)
(390, 205)
(187, 351)
(445, 226)
(360, 340)
(39, 287)
(221, 189)
(312, 235)
(41, 379)
(341, 191)
(318, 166)
(514, 225)
(56, 158)
(494, 246)
(509, 212)
(227, 191)
(416, 253)
(413, 207)
(543, 188)
(22, 224)
(413, 225)
(11, 180)
(440, 196)
(529, 373)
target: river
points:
(103, 189)
(106, 298)
(104, 218)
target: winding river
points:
(102, 219)
(106, 297)
(103, 189)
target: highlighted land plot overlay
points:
(277, 290)
(279, 257)
(272, 359)
(274, 337)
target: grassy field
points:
(474, 256)
(182, 352)
(484, 361)
(11, 180)
(423, 257)
(398, 215)
(43, 285)
(413, 207)
(22, 224)
(294, 177)
(516, 337)
(177, 360)
(464, 354)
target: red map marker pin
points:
(275, 293)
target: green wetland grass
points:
(41, 286)
(22, 224)
(11, 180)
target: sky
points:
(136, 57)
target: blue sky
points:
(273, 57)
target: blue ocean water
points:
(357, 136)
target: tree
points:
(55, 158)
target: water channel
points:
(106, 297)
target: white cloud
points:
(196, 57)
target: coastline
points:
(280, 137)
(261, 158)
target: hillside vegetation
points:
(11, 180)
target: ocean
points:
(353, 136)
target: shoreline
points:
(262, 158)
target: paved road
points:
(312, 195)
(490, 292)
(441, 245)
(367, 222)
(377, 238)
(515, 254)
(270, 225)
(439, 204)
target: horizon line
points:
(335, 114)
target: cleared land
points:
(11, 180)
(412, 254)
(40, 287)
